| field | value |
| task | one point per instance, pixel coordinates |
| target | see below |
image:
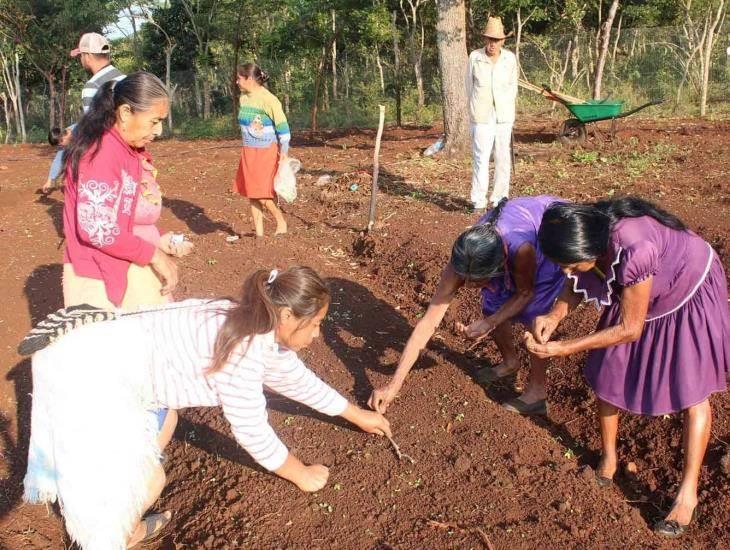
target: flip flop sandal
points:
(154, 525)
(518, 406)
(673, 529)
(488, 375)
(603, 481)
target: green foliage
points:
(220, 127)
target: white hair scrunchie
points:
(272, 276)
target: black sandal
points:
(671, 528)
(603, 481)
(488, 375)
(518, 406)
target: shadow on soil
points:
(43, 293)
(54, 209)
(195, 217)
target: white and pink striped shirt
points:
(183, 336)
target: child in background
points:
(60, 140)
(95, 438)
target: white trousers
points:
(483, 137)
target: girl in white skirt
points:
(96, 436)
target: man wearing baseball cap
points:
(95, 56)
(491, 88)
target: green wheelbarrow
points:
(573, 131)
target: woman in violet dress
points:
(500, 255)
(663, 342)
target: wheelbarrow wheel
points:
(572, 133)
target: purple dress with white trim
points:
(518, 224)
(683, 353)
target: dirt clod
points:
(462, 463)
(725, 463)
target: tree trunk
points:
(206, 95)
(418, 70)
(235, 92)
(602, 49)
(334, 58)
(168, 85)
(396, 69)
(707, 53)
(317, 85)
(518, 35)
(347, 77)
(287, 84)
(325, 96)
(451, 41)
(380, 71)
(51, 79)
(197, 94)
(18, 92)
(62, 99)
(615, 42)
(4, 97)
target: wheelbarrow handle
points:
(641, 107)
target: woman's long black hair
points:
(478, 253)
(571, 233)
(139, 90)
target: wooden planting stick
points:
(376, 170)
(401, 456)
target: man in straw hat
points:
(491, 86)
(95, 56)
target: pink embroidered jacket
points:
(98, 216)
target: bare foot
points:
(281, 229)
(682, 511)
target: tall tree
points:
(604, 38)
(451, 41)
(202, 14)
(47, 32)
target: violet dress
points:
(518, 224)
(683, 354)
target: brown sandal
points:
(154, 525)
(488, 375)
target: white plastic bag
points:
(285, 181)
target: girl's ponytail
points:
(264, 293)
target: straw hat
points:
(495, 29)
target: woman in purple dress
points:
(501, 256)
(663, 342)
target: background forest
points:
(332, 61)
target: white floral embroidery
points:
(129, 188)
(96, 217)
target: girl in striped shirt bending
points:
(96, 437)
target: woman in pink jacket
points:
(115, 257)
